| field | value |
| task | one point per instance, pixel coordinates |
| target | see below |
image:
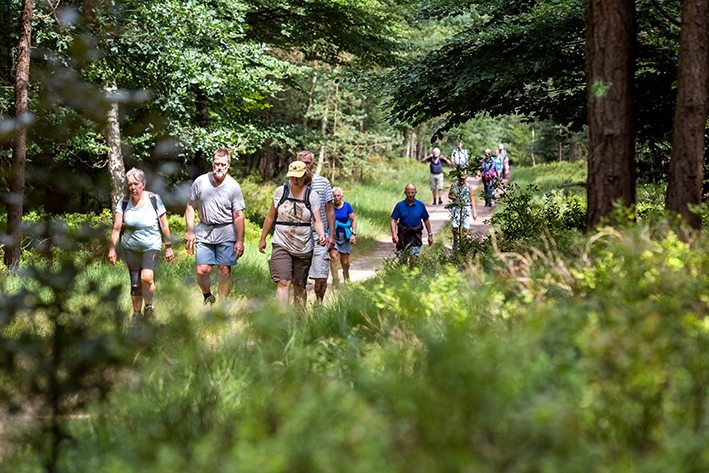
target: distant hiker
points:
(499, 162)
(462, 207)
(218, 239)
(407, 222)
(505, 162)
(436, 180)
(293, 209)
(488, 176)
(459, 156)
(345, 236)
(140, 223)
(320, 265)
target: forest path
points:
(365, 266)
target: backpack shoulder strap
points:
(284, 196)
(124, 207)
(306, 198)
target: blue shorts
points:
(409, 251)
(222, 254)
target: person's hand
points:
(395, 239)
(112, 256)
(169, 255)
(430, 239)
(322, 240)
(330, 242)
(352, 239)
(262, 245)
(239, 248)
(190, 240)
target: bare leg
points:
(333, 267)
(300, 296)
(137, 302)
(345, 260)
(147, 280)
(224, 275)
(320, 288)
(282, 292)
(203, 277)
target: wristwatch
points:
(353, 233)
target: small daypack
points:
(305, 200)
(488, 176)
(124, 207)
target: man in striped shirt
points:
(320, 267)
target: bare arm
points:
(394, 235)
(426, 158)
(240, 225)
(267, 225)
(330, 212)
(427, 223)
(319, 228)
(472, 201)
(115, 232)
(190, 237)
(353, 222)
(162, 221)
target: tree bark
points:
(16, 181)
(610, 37)
(116, 168)
(686, 173)
(200, 165)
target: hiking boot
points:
(149, 311)
(440, 201)
(433, 203)
(346, 275)
(210, 300)
(335, 282)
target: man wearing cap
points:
(436, 180)
(407, 222)
(320, 267)
(218, 239)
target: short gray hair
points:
(136, 173)
(337, 189)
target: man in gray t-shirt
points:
(218, 239)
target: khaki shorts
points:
(285, 266)
(437, 182)
(320, 266)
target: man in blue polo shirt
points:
(407, 226)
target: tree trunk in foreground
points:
(116, 168)
(16, 181)
(684, 182)
(610, 36)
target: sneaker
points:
(149, 311)
(210, 300)
(433, 203)
(440, 201)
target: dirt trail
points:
(365, 266)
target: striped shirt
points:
(322, 186)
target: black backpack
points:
(305, 200)
(124, 206)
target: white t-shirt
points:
(295, 239)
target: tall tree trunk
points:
(200, 164)
(323, 131)
(610, 37)
(310, 100)
(684, 182)
(16, 179)
(116, 168)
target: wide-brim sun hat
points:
(296, 169)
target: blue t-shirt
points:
(498, 162)
(410, 215)
(142, 230)
(342, 214)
